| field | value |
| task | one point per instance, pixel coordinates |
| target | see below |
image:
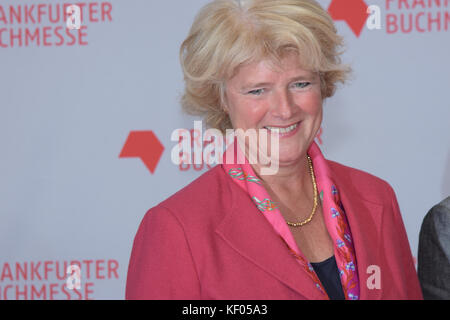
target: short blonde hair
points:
(228, 33)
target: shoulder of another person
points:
(445, 205)
(441, 212)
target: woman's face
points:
(287, 100)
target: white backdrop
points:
(70, 102)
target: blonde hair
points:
(228, 33)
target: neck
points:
(292, 181)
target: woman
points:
(315, 229)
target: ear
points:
(225, 108)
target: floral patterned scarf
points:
(334, 215)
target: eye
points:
(256, 92)
(302, 85)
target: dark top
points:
(434, 252)
(329, 276)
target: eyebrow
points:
(263, 84)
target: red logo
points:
(144, 145)
(354, 12)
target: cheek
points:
(311, 103)
(246, 113)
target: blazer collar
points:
(250, 234)
(365, 219)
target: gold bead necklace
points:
(302, 223)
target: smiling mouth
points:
(284, 130)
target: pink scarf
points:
(334, 215)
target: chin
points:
(289, 158)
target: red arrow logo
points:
(144, 145)
(354, 12)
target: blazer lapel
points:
(250, 234)
(364, 219)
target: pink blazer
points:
(209, 241)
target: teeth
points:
(282, 130)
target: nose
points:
(282, 105)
